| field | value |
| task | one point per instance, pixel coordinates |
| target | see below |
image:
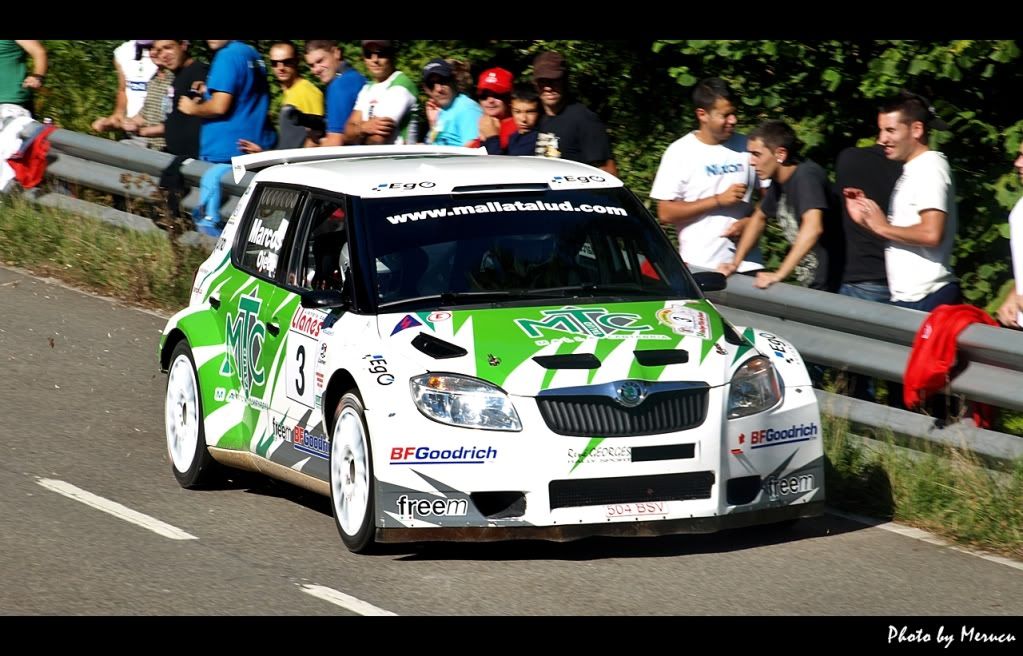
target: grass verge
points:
(944, 490)
(145, 268)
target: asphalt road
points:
(81, 401)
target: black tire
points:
(352, 483)
(192, 464)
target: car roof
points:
(425, 172)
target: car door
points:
(314, 263)
(250, 305)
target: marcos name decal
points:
(245, 337)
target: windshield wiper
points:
(610, 289)
(455, 298)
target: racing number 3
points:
(300, 381)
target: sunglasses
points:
(382, 54)
(291, 62)
(484, 95)
(434, 81)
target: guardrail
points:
(845, 333)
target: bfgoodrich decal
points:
(424, 455)
(774, 436)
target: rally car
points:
(462, 347)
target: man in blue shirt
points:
(343, 86)
(454, 117)
(235, 103)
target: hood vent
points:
(661, 357)
(568, 361)
(437, 348)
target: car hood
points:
(526, 350)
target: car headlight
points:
(465, 402)
(755, 388)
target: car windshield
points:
(508, 247)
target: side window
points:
(267, 230)
(319, 262)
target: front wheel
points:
(351, 475)
(186, 436)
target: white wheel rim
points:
(181, 414)
(349, 475)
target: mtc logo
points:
(245, 338)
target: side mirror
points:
(324, 299)
(711, 281)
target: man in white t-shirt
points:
(1011, 312)
(922, 218)
(134, 69)
(704, 183)
(387, 106)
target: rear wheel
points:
(186, 436)
(351, 476)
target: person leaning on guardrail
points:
(1011, 311)
(922, 221)
(134, 69)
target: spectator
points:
(863, 273)
(1011, 311)
(493, 92)
(147, 127)
(233, 108)
(386, 109)
(799, 199)
(296, 91)
(15, 86)
(134, 68)
(525, 108)
(453, 116)
(704, 183)
(922, 221)
(343, 85)
(567, 129)
(180, 130)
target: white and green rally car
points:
(457, 347)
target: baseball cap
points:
(145, 42)
(383, 45)
(497, 80)
(438, 67)
(548, 66)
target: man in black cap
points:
(567, 130)
(453, 116)
(386, 109)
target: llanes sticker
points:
(685, 321)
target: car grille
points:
(630, 489)
(662, 412)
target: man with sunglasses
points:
(343, 85)
(296, 90)
(386, 109)
(568, 130)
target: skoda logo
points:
(630, 394)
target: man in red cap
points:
(494, 95)
(567, 130)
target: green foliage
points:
(827, 89)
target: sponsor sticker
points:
(425, 455)
(562, 179)
(773, 436)
(308, 322)
(404, 186)
(786, 486)
(408, 321)
(411, 507)
(378, 366)
(302, 439)
(685, 321)
(601, 454)
(439, 315)
(584, 322)
(779, 349)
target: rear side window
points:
(266, 233)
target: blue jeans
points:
(868, 290)
(209, 193)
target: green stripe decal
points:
(739, 352)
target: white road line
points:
(923, 536)
(348, 602)
(115, 509)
